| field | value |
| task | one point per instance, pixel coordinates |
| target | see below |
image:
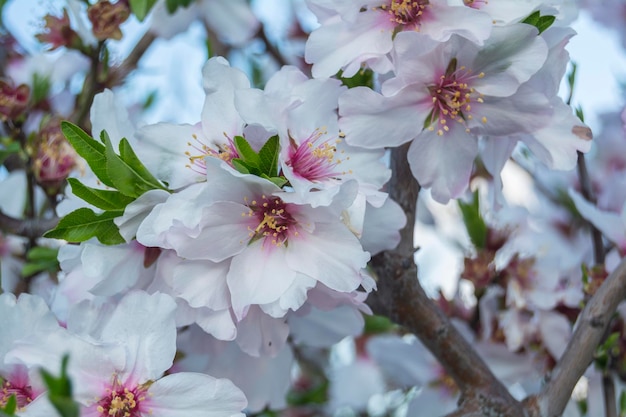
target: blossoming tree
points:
(259, 259)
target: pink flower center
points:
(452, 98)
(406, 12)
(315, 159)
(121, 401)
(199, 150)
(275, 224)
(23, 394)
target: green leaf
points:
(40, 259)
(278, 181)
(128, 155)
(318, 394)
(10, 407)
(60, 391)
(40, 253)
(579, 113)
(240, 166)
(545, 22)
(103, 199)
(127, 173)
(474, 223)
(90, 149)
(141, 8)
(451, 67)
(377, 324)
(363, 78)
(150, 100)
(268, 157)
(246, 152)
(172, 5)
(585, 274)
(41, 87)
(532, 19)
(540, 22)
(429, 119)
(10, 149)
(83, 224)
(571, 77)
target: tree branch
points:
(119, 74)
(29, 228)
(586, 191)
(591, 327)
(403, 300)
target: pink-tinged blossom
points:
(355, 33)
(176, 153)
(444, 96)
(118, 354)
(564, 135)
(279, 246)
(22, 318)
(314, 155)
(265, 379)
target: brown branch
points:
(590, 330)
(29, 228)
(402, 298)
(270, 48)
(119, 74)
(608, 389)
(587, 192)
(91, 87)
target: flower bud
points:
(57, 32)
(106, 18)
(55, 157)
(13, 100)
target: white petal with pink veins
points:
(258, 275)
(220, 83)
(336, 45)
(145, 325)
(261, 335)
(189, 394)
(371, 120)
(332, 255)
(443, 163)
(201, 283)
(557, 145)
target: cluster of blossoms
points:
(268, 222)
(458, 82)
(118, 355)
(203, 267)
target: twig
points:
(590, 330)
(91, 87)
(29, 228)
(608, 389)
(585, 189)
(129, 64)
(403, 299)
(270, 48)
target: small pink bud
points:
(13, 100)
(106, 18)
(57, 32)
(55, 157)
